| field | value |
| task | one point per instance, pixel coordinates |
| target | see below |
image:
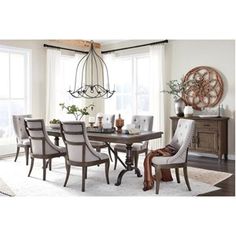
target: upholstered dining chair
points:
(80, 152)
(144, 123)
(99, 145)
(180, 141)
(41, 145)
(22, 138)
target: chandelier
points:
(91, 77)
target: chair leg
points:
(186, 178)
(115, 164)
(44, 169)
(177, 175)
(136, 156)
(107, 165)
(158, 178)
(86, 172)
(83, 178)
(67, 174)
(27, 154)
(17, 153)
(109, 152)
(31, 166)
(50, 164)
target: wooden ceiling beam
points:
(83, 44)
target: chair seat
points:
(62, 149)
(122, 147)
(24, 142)
(98, 144)
(103, 156)
(160, 160)
(163, 160)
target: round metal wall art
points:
(204, 87)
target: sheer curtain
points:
(60, 78)
(139, 78)
(53, 75)
(157, 74)
(111, 62)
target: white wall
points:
(183, 55)
(38, 72)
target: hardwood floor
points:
(227, 186)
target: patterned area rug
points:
(15, 175)
(206, 176)
(5, 190)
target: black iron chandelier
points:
(93, 81)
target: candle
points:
(91, 119)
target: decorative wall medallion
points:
(204, 87)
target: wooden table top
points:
(114, 137)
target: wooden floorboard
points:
(227, 187)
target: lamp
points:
(94, 79)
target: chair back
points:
(182, 139)
(19, 126)
(78, 146)
(39, 140)
(144, 123)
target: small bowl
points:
(55, 126)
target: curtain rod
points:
(137, 46)
(107, 51)
(68, 49)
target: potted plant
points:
(54, 123)
(76, 111)
(177, 88)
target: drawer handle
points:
(207, 125)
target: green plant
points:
(176, 88)
(76, 111)
(54, 121)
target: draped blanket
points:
(166, 175)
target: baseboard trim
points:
(230, 156)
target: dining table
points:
(123, 138)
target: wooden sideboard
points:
(210, 135)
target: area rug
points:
(206, 176)
(5, 189)
(15, 175)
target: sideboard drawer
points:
(206, 125)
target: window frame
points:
(27, 95)
(133, 56)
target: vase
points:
(188, 111)
(119, 124)
(179, 107)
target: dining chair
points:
(180, 141)
(79, 150)
(144, 123)
(22, 138)
(99, 145)
(41, 146)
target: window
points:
(60, 78)
(130, 74)
(14, 92)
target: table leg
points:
(111, 149)
(56, 140)
(129, 165)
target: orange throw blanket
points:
(166, 175)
